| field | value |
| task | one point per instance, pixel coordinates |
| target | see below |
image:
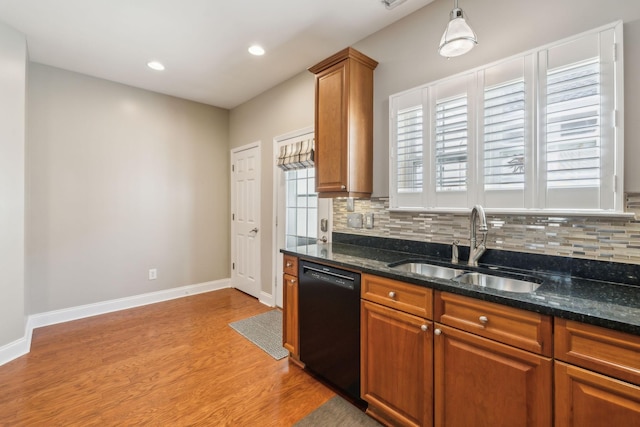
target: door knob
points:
(254, 230)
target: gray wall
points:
(13, 75)
(121, 180)
(282, 109)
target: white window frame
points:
(534, 198)
(304, 214)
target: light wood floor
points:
(174, 363)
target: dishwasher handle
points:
(329, 277)
(328, 273)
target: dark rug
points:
(265, 331)
(337, 412)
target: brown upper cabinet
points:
(344, 125)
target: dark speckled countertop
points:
(603, 303)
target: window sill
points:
(525, 212)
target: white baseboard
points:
(266, 299)
(22, 346)
(15, 349)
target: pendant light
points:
(458, 37)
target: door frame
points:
(233, 152)
(325, 209)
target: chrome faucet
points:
(476, 250)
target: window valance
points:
(296, 155)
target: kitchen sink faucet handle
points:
(454, 251)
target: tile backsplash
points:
(605, 239)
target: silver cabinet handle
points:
(392, 294)
(343, 187)
(424, 328)
(483, 319)
(292, 281)
(437, 332)
(289, 264)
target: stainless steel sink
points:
(429, 270)
(496, 282)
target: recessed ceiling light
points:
(256, 50)
(155, 65)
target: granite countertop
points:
(601, 303)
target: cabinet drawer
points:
(612, 353)
(519, 328)
(290, 265)
(398, 295)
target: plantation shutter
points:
(452, 142)
(578, 138)
(505, 127)
(410, 156)
(408, 131)
(573, 125)
(540, 131)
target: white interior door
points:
(245, 219)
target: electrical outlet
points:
(368, 220)
(153, 274)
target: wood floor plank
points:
(173, 363)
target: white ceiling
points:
(202, 43)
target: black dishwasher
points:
(329, 322)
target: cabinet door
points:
(397, 366)
(479, 382)
(331, 128)
(290, 315)
(584, 398)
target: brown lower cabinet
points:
(597, 376)
(290, 334)
(397, 368)
(290, 318)
(585, 398)
(436, 358)
(480, 382)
